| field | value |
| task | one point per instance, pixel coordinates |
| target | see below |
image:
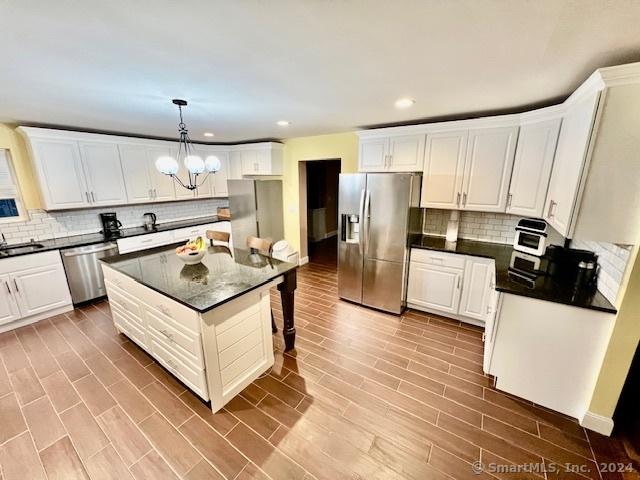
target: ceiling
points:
(325, 65)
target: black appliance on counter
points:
(110, 225)
(150, 220)
(573, 265)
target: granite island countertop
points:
(96, 238)
(220, 277)
(552, 289)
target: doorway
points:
(627, 415)
(319, 210)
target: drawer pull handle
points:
(164, 310)
(172, 364)
(167, 334)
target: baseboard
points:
(304, 260)
(23, 322)
(471, 321)
(597, 423)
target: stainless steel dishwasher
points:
(84, 273)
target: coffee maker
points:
(110, 225)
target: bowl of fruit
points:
(192, 252)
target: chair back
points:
(218, 236)
(263, 245)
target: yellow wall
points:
(622, 346)
(12, 141)
(321, 147)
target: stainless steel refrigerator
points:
(255, 207)
(376, 214)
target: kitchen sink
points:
(20, 249)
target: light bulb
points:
(212, 164)
(167, 165)
(194, 164)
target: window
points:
(11, 206)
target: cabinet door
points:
(434, 287)
(532, 167)
(406, 153)
(41, 289)
(219, 180)
(61, 177)
(373, 154)
(135, 167)
(105, 181)
(443, 169)
(163, 188)
(487, 170)
(235, 166)
(249, 161)
(8, 306)
(573, 143)
(476, 288)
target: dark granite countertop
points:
(219, 278)
(552, 289)
(95, 238)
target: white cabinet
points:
(61, 178)
(487, 170)
(219, 179)
(479, 283)
(144, 183)
(443, 169)
(549, 353)
(32, 287)
(397, 153)
(8, 306)
(456, 285)
(571, 152)
(261, 159)
(469, 169)
(532, 167)
(435, 287)
(103, 173)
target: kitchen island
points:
(208, 324)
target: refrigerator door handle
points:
(367, 204)
(361, 213)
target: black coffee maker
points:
(110, 225)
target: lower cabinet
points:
(32, 287)
(451, 284)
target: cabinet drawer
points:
(451, 260)
(128, 326)
(119, 280)
(188, 344)
(193, 378)
(175, 314)
(189, 233)
(124, 302)
(142, 242)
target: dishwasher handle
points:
(75, 253)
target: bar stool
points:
(264, 246)
(220, 237)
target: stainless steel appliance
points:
(110, 225)
(256, 210)
(376, 213)
(84, 273)
(149, 220)
(531, 236)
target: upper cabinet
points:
(570, 158)
(143, 182)
(261, 158)
(469, 169)
(103, 173)
(532, 167)
(396, 153)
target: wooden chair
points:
(223, 237)
(264, 246)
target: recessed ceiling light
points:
(404, 102)
(283, 123)
(208, 134)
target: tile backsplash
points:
(43, 225)
(613, 260)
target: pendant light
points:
(194, 164)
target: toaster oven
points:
(531, 236)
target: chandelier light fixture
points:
(194, 164)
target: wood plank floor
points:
(365, 395)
